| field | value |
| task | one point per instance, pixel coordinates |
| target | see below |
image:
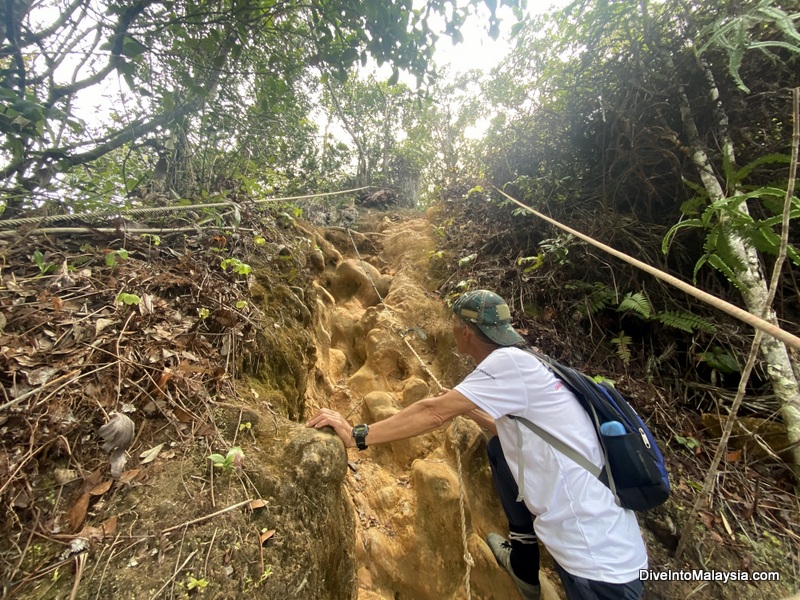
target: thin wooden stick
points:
(38, 389)
(718, 303)
(80, 564)
(206, 517)
(174, 575)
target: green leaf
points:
(467, 260)
(132, 48)
(721, 360)
(128, 299)
(349, 56)
(637, 303)
(623, 347)
(674, 229)
(685, 321)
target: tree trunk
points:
(351, 130)
(780, 367)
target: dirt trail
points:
(378, 357)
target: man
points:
(596, 544)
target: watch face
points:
(359, 435)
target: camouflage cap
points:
(490, 313)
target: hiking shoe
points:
(501, 548)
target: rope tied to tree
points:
(718, 303)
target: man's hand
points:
(331, 418)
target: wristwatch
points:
(360, 435)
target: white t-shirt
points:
(577, 518)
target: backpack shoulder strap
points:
(566, 450)
(556, 443)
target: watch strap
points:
(359, 434)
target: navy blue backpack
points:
(635, 470)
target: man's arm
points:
(483, 419)
(416, 419)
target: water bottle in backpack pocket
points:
(637, 479)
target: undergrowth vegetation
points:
(678, 359)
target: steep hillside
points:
(230, 339)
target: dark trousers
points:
(520, 519)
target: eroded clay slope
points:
(384, 342)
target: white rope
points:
(152, 210)
(727, 307)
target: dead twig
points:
(39, 574)
(260, 550)
(174, 575)
(23, 462)
(80, 564)
(119, 362)
(208, 554)
(206, 517)
(16, 401)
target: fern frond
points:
(775, 198)
(598, 300)
(699, 265)
(720, 265)
(685, 321)
(793, 255)
(728, 255)
(674, 229)
(623, 347)
(742, 173)
(637, 303)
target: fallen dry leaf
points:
(109, 526)
(257, 503)
(266, 535)
(42, 375)
(146, 305)
(734, 456)
(102, 324)
(101, 488)
(93, 478)
(149, 456)
(22, 499)
(129, 476)
(77, 514)
(182, 415)
(707, 518)
(204, 430)
(166, 375)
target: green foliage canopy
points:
(177, 58)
